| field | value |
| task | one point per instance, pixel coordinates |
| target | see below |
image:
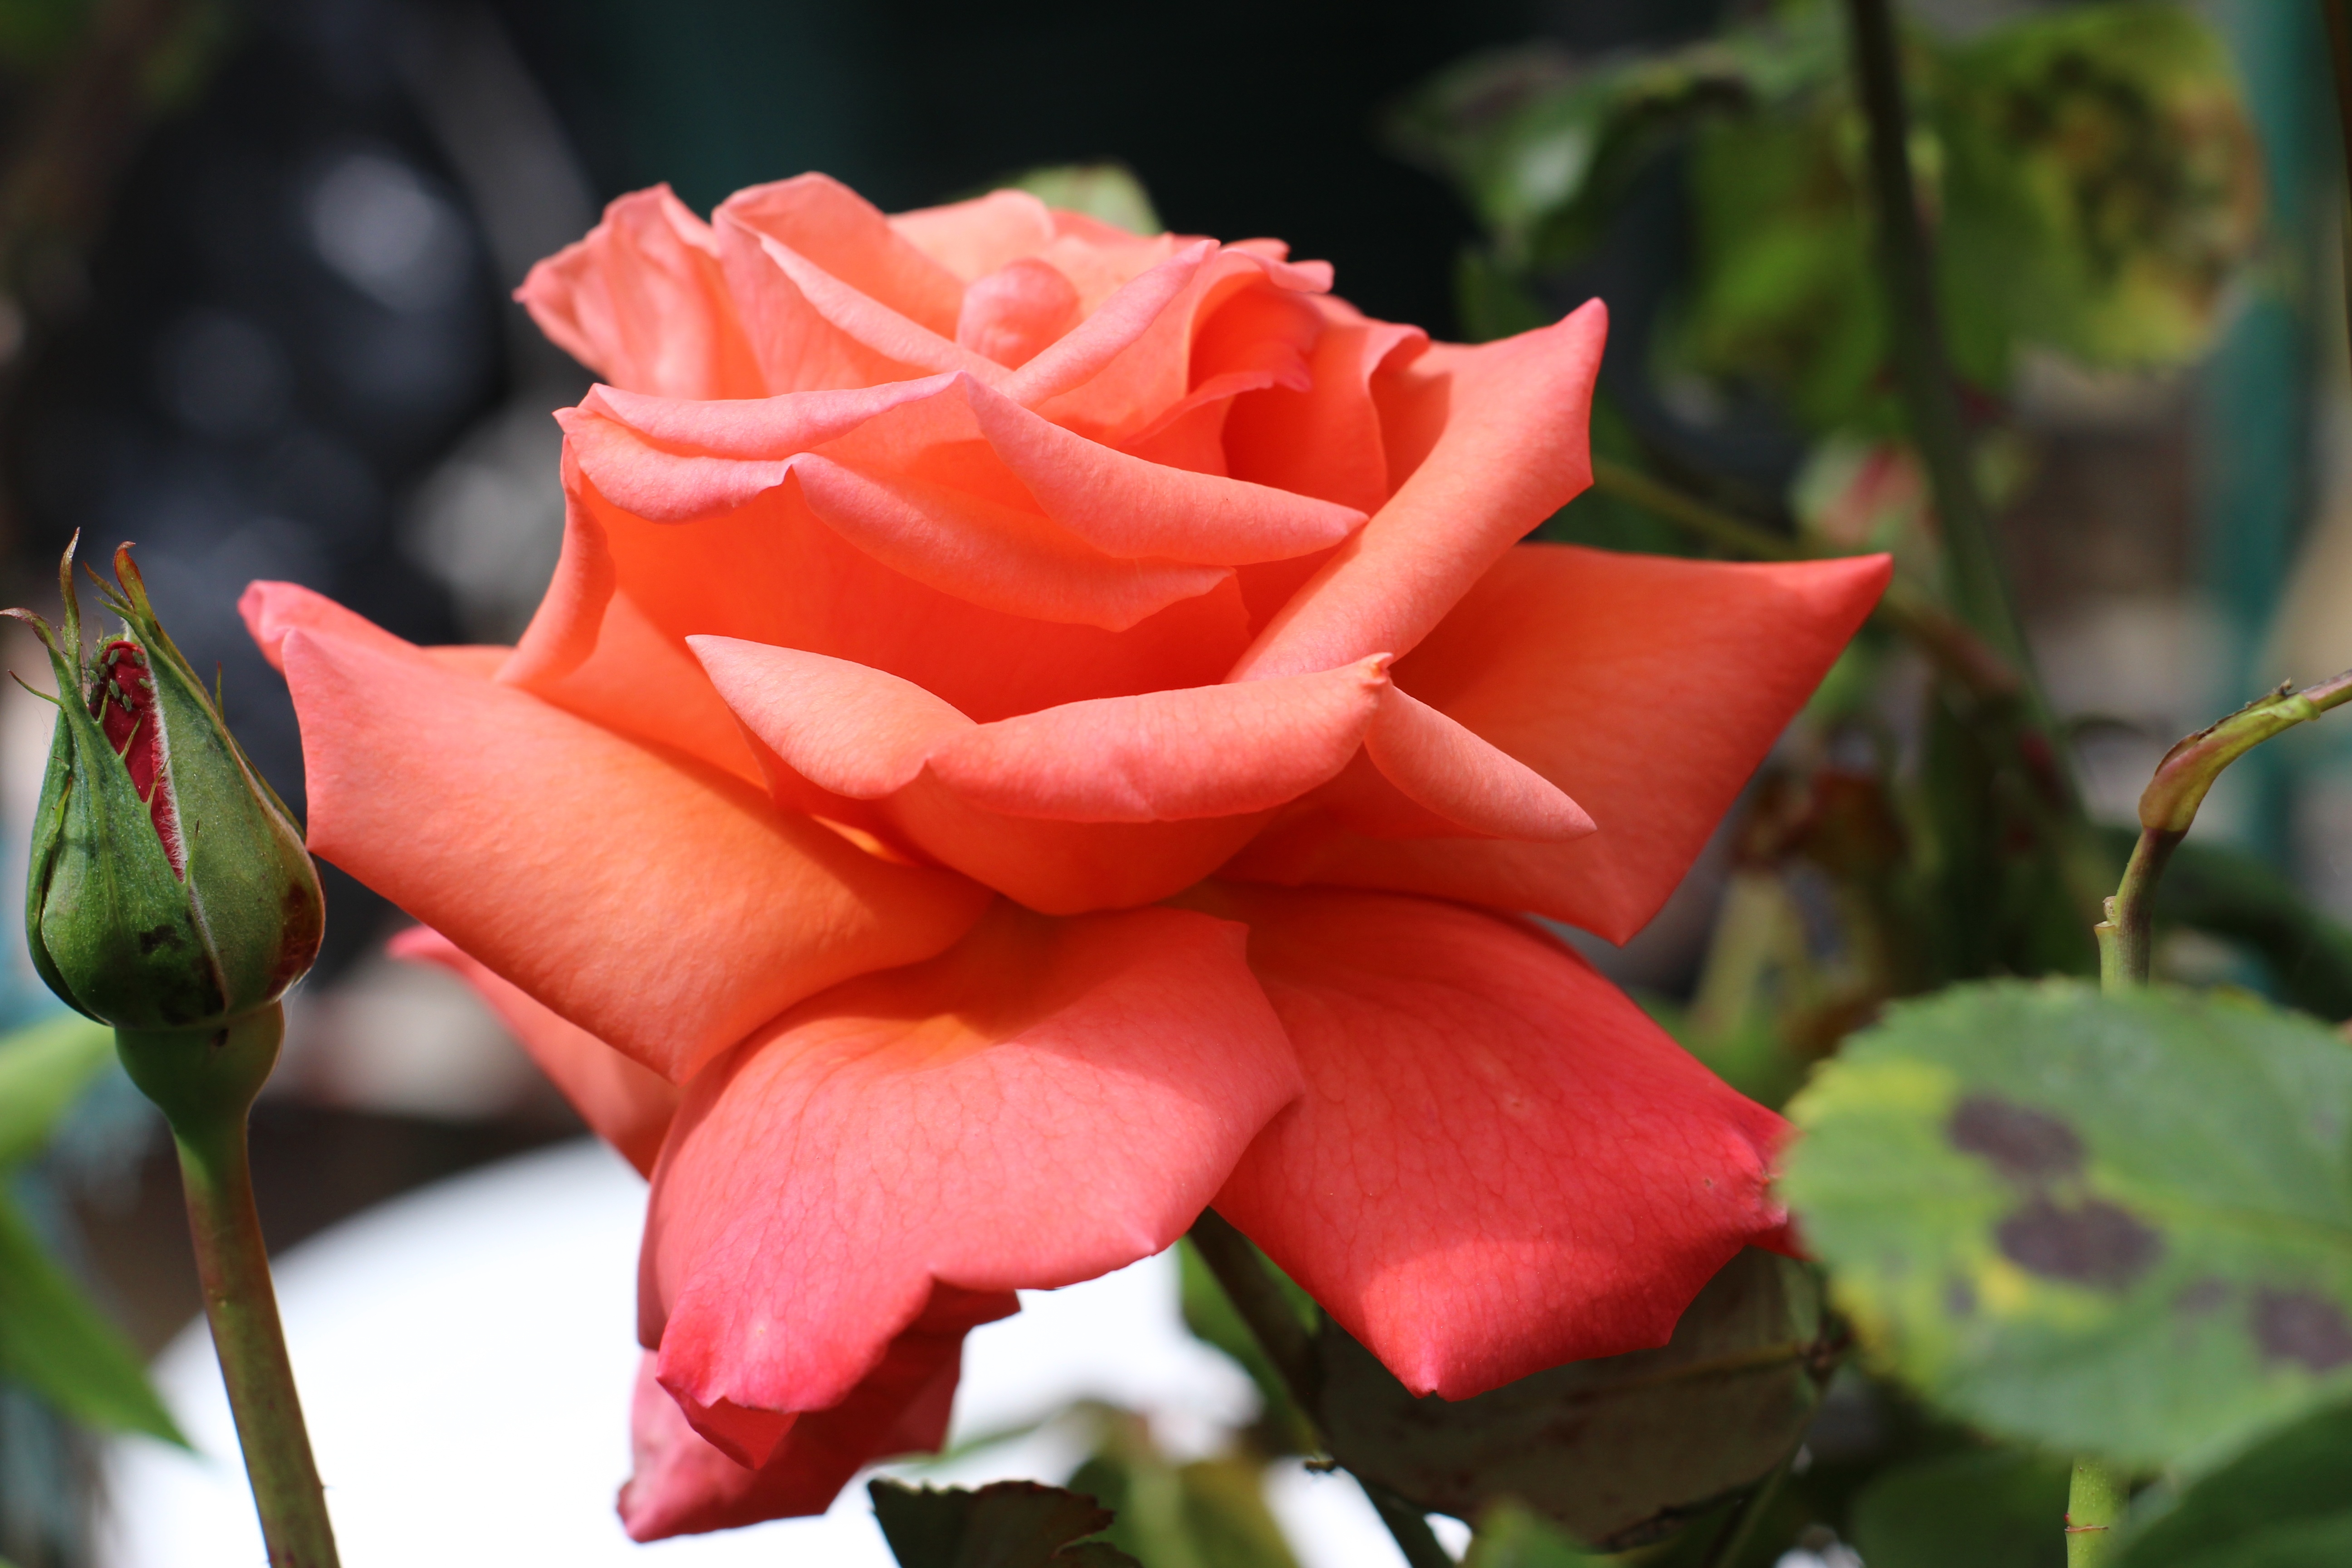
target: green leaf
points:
(55, 1341)
(2283, 1503)
(1513, 1536)
(1617, 1451)
(1010, 1524)
(44, 1068)
(1964, 1510)
(2116, 1224)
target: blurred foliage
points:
(1207, 1513)
(53, 1339)
(2283, 1503)
(1965, 1511)
(2105, 1223)
(2093, 181)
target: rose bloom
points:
(1037, 731)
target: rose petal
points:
(674, 460)
(817, 218)
(662, 907)
(1493, 438)
(1049, 1100)
(641, 301)
(950, 540)
(682, 1485)
(1499, 1163)
(1191, 769)
(771, 572)
(974, 239)
(1646, 688)
(626, 1105)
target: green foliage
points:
(1965, 1511)
(1617, 1451)
(2284, 1503)
(43, 1070)
(2093, 180)
(55, 1343)
(1009, 1524)
(1209, 1513)
(2232, 893)
(53, 1339)
(2120, 1223)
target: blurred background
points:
(255, 266)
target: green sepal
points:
(256, 891)
(112, 926)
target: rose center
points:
(124, 704)
(1016, 310)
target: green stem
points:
(2095, 1506)
(205, 1082)
(1980, 590)
(2339, 51)
(1258, 1298)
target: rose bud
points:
(170, 889)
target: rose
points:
(1036, 729)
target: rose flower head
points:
(170, 889)
(1037, 729)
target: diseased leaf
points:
(56, 1342)
(1009, 1524)
(2284, 1503)
(1999, 1506)
(1617, 1451)
(2114, 1224)
(44, 1068)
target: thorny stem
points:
(2094, 1505)
(1259, 1300)
(204, 1081)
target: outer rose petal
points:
(1493, 440)
(1048, 1101)
(1499, 1163)
(683, 1485)
(663, 908)
(1646, 688)
(626, 1105)
(641, 301)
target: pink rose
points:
(1038, 729)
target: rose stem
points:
(205, 1082)
(1261, 1304)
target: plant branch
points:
(1979, 591)
(1258, 1298)
(2095, 1506)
